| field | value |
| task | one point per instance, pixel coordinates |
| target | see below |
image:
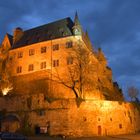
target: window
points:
(55, 63)
(120, 126)
(43, 65)
(31, 67)
(20, 54)
(55, 47)
(69, 60)
(11, 58)
(69, 44)
(41, 113)
(43, 49)
(31, 52)
(19, 69)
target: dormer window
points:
(61, 30)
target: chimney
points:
(17, 34)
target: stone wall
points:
(74, 118)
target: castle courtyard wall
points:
(74, 118)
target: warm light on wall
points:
(6, 90)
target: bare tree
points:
(133, 93)
(78, 75)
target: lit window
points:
(55, 63)
(55, 47)
(31, 67)
(43, 65)
(69, 60)
(20, 54)
(19, 69)
(31, 52)
(43, 49)
(69, 44)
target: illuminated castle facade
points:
(49, 52)
(44, 69)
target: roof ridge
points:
(50, 23)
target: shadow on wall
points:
(10, 123)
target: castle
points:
(56, 81)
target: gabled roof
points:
(54, 30)
(10, 37)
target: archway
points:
(10, 123)
(99, 130)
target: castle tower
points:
(77, 29)
(101, 57)
(89, 44)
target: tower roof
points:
(10, 37)
(76, 19)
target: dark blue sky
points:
(113, 25)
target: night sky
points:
(113, 25)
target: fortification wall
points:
(40, 82)
(71, 118)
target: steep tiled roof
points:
(57, 29)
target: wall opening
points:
(120, 126)
(99, 130)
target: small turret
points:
(77, 29)
(89, 44)
(101, 57)
(18, 32)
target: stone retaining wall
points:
(66, 117)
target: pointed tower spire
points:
(76, 19)
(101, 57)
(77, 29)
(89, 44)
